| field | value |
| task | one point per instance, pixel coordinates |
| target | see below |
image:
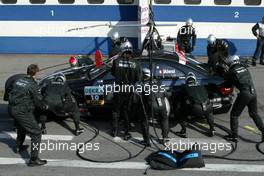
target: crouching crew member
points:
(195, 102)
(24, 99)
(58, 95)
(217, 50)
(160, 105)
(126, 71)
(240, 77)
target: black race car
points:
(86, 82)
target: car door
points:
(173, 77)
(170, 75)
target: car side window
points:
(166, 71)
(95, 72)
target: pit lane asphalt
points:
(68, 161)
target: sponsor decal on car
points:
(94, 95)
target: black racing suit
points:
(240, 77)
(10, 83)
(58, 96)
(186, 39)
(259, 53)
(115, 49)
(126, 72)
(8, 87)
(24, 98)
(159, 107)
(217, 52)
(195, 102)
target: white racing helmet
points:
(191, 79)
(146, 72)
(233, 60)
(60, 78)
(189, 22)
(211, 39)
(126, 47)
(115, 36)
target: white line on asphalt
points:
(252, 129)
(136, 165)
(176, 140)
(11, 135)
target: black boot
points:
(254, 63)
(233, 136)
(43, 129)
(79, 131)
(145, 143)
(114, 132)
(182, 133)
(36, 162)
(261, 62)
(127, 136)
(212, 132)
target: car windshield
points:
(198, 65)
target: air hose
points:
(152, 118)
(150, 48)
(53, 66)
(234, 148)
(95, 130)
